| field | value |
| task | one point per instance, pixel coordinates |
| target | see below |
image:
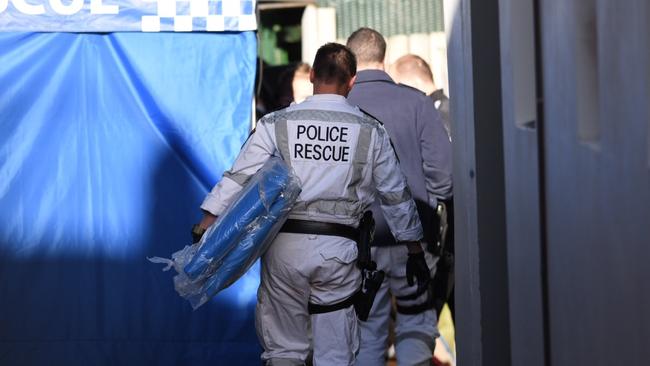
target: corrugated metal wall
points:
(410, 26)
(390, 17)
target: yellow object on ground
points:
(445, 351)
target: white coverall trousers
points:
(414, 334)
(298, 269)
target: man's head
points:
(413, 71)
(334, 70)
(369, 47)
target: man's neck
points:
(371, 66)
(430, 88)
(423, 86)
(329, 89)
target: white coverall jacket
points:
(342, 158)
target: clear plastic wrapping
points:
(239, 236)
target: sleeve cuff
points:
(413, 234)
(212, 205)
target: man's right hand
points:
(197, 233)
(199, 229)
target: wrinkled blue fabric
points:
(108, 144)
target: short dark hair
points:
(334, 63)
(368, 45)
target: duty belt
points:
(371, 278)
(320, 228)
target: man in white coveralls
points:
(342, 158)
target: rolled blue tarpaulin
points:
(233, 243)
(249, 248)
(253, 201)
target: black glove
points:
(197, 233)
(416, 268)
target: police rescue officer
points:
(424, 150)
(343, 158)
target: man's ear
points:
(312, 76)
(351, 82)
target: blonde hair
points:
(413, 66)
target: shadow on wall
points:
(94, 309)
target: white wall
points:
(318, 28)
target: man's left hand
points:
(417, 269)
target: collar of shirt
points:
(332, 102)
(365, 76)
(326, 98)
(438, 94)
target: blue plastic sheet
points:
(239, 236)
(108, 144)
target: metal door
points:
(596, 78)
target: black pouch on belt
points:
(371, 278)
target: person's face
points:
(302, 87)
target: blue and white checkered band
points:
(127, 15)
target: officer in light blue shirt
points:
(424, 151)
